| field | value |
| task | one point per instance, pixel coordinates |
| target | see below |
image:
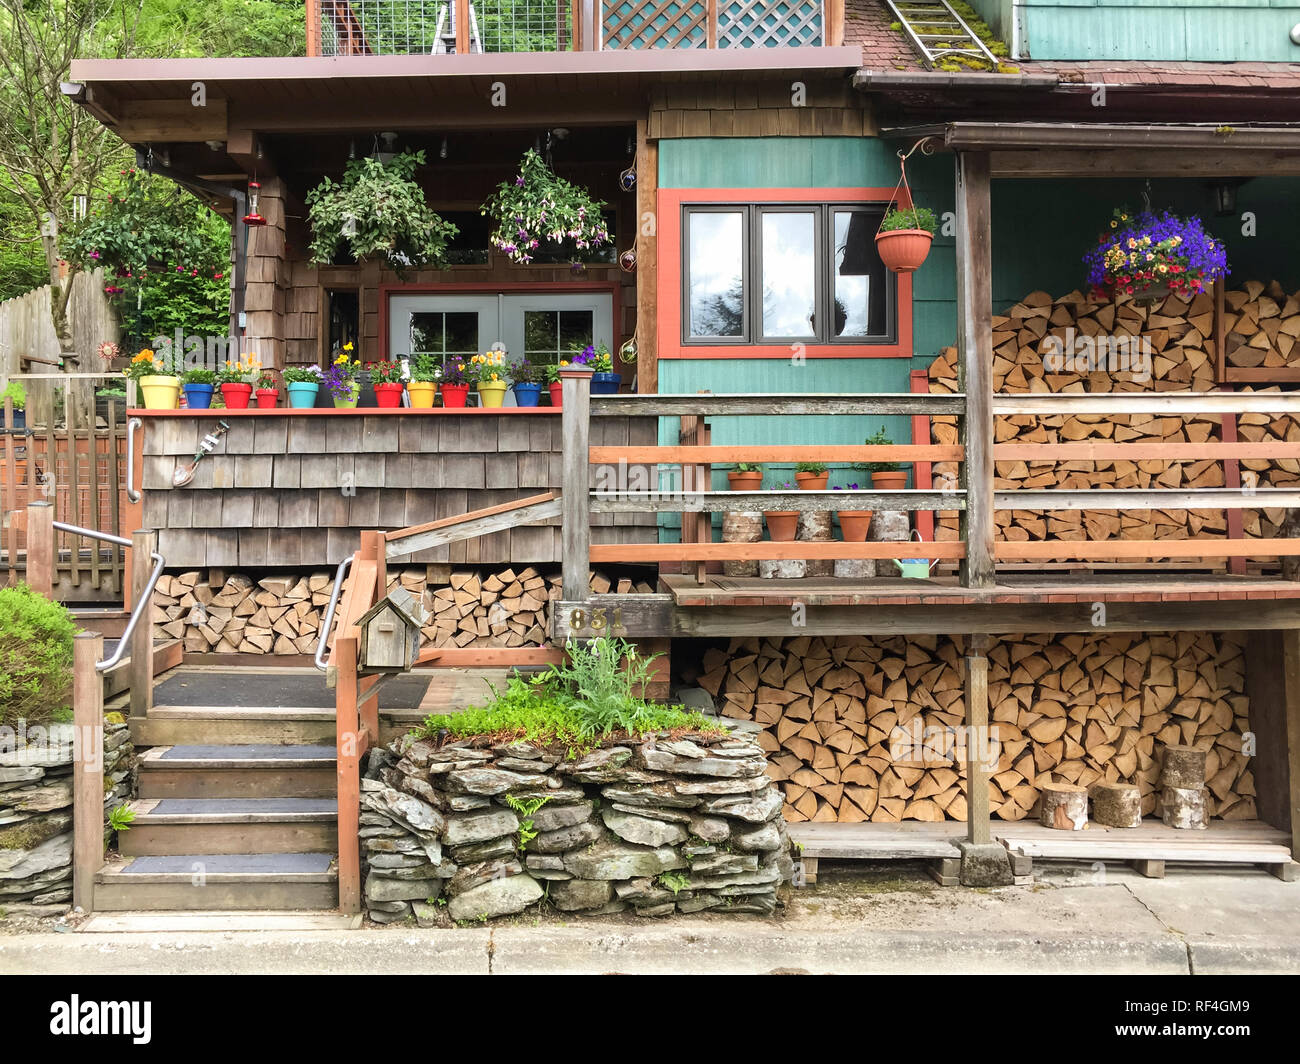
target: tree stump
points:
(1183, 807)
(1184, 767)
(741, 527)
(890, 526)
(854, 568)
(1064, 806)
(1116, 805)
(782, 568)
(816, 528)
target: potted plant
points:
(539, 206)
(378, 211)
(527, 388)
(747, 476)
(105, 396)
(455, 384)
(15, 391)
(904, 238)
(159, 387)
(267, 394)
(237, 380)
(302, 384)
(423, 385)
(782, 525)
(198, 384)
(854, 524)
(1152, 255)
(604, 381)
(553, 383)
(386, 377)
(487, 372)
(341, 379)
(885, 476)
(811, 476)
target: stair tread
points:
(246, 713)
(248, 752)
(220, 806)
(232, 864)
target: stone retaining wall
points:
(664, 826)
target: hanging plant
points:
(1155, 253)
(378, 211)
(538, 206)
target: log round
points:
(1183, 807)
(1116, 805)
(1184, 766)
(1064, 806)
(816, 528)
(741, 527)
(854, 568)
(890, 526)
(782, 568)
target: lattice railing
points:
(692, 24)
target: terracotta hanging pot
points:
(903, 250)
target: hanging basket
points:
(903, 250)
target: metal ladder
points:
(938, 31)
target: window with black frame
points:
(785, 273)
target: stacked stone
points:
(36, 808)
(663, 826)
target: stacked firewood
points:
(283, 614)
(860, 728)
(1261, 326)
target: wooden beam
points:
(678, 552)
(478, 523)
(1139, 162)
(1171, 404)
(647, 262)
(40, 545)
(488, 657)
(975, 362)
(1104, 451)
(775, 404)
(461, 8)
(622, 502)
(1091, 550)
(349, 779)
(575, 473)
(1147, 499)
(623, 616)
(144, 542)
(87, 768)
(313, 27)
(904, 452)
(173, 121)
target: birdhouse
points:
(390, 633)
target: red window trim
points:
(669, 281)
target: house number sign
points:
(598, 620)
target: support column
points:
(144, 542)
(87, 768)
(984, 863)
(975, 362)
(647, 257)
(40, 548)
(1291, 674)
(575, 482)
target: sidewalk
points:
(1193, 922)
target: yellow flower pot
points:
(492, 393)
(159, 392)
(422, 394)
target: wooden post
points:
(40, 547)
(1232, 479)
(711, 24)
(313, 27)
(647, 260)
(922, 472)
(348, 727)
(1291, 701)
(975, 363)
(977, 739)
(589, 25)
(461, 8)
(87, 768)
(575, 481)
(11, 487)
(144, 541)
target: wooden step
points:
(198, 882)
(227, 726)
(248, 771)
(164, 826)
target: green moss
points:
(114, 718)
(957, 63)
(29, 835)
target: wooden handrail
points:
(902, 452)
(775, 404)
(679, 552)
(1143, 549)
(1104, 451)
(1170, 404)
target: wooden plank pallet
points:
(933, 843)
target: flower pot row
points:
(782, 525)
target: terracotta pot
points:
(422, 394)
(492, 393)
(781, 524)
(903, 250)
(557, 392)
(855, 524)
(236, 395)
(454, 395)
(389, 396)
(890, 480)
(267, 398)
(159, 391)
(747, 481)
(812, 481)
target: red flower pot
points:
(236, 395)
(267, 398)
(782, 524)
(747, 481)
(812, 481)
(389, 396)
(855, 524)
(556, 390)
(903, 250)
(454, 394)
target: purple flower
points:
(519, 181)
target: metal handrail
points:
(141, 606)
(329, 611)
(132, 423)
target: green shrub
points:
(35, 656)
(815, 468)
(910, 218)
(14, 390)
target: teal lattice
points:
(769, 23)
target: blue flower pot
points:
(199, 396)
(20, 418)
(605, 383)
(528, 394)
(302, 394)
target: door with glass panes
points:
(540, 327)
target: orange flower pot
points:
(782, 524)
(748, 481)
(812, 481)
(855, 524)
(890, 480)
(903, 250)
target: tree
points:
(51, 150)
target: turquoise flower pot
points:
(302, 394)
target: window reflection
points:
(716, 265)
(789, 273)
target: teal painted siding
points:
(775, 162)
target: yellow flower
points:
(565, 362)
(347, 346)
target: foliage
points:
(524, 372)
(454, 372)
(748, 467)
(199, 375)
(35, 656)
(148, 363)
(815, 468)
(223, 28)
(595, 357)
(378, 210)
(526, 807)
(341, 375)
(302, 375)
(266, 383)
(22, 262)
(385, 372)
(910, 218)
(121, 817)
(553, 371)
(539, 206)
(14, 390)
(486, 368)
(246, 370)
(878, 439)
(1155, 248)
(426, 368)
(674, 881)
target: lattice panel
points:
(656, 24)
(769, 23)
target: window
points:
(784, 273)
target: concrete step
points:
(243, 771)
(169, 725)
(207, 882)
(165, 826)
